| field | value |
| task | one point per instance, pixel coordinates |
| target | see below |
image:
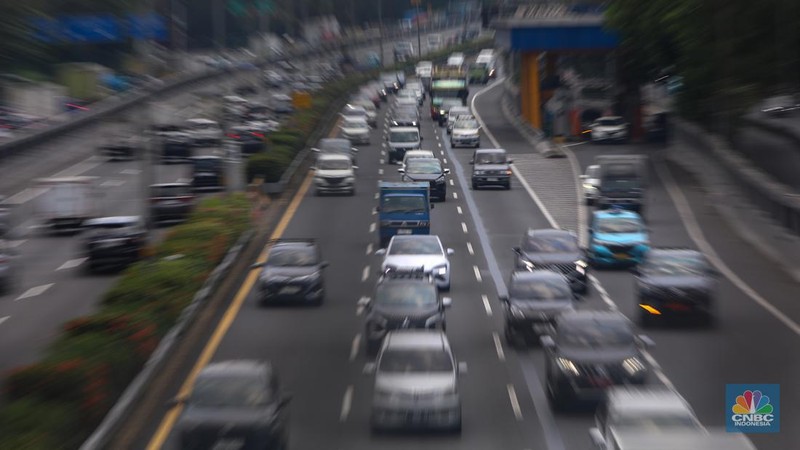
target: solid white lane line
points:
(112, 183)
(3, 319)
(347, 402)
(455, 195)
(470, 249)
(130, 172)
(365, 273)
(498, 346)
(372, 227)
(697, 236)
(458, 208)
(512, 395)
(486, 305)
(452, 183)
(377, 196)
(354, 347)
(603, 293)
(657, 370)
(477, 274)
(464, 227)
(369, 249)
(72, 263)
(380, 171)
(35, 291)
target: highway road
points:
(319, 353)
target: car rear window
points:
(415, 247)
(550, 244)
(490, 158)
(406, 294)
(415, 361)
(230, 391)
(170, 191)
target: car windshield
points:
(406, 294)
(490, 158)
(410, 155)
(466, 124)
(675, 266)
(655, 421)
(403, 136)
(294, 256)
(333, 164)
(334, 146)
(207, 165)
(170, 191)
(415, 361)
(550, 244)
(415, 247)
(230, 391)
(600, 333)
(404, 205)
(111, 225)
(610, 122)
(543, 290)
(619, 225)
(424, 166)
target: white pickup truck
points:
(66, 202)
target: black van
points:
(208, 173)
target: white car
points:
(419, 250)
(334, 173)
(356, 129)
(411, 154)
(453, 114)
(355, 111)
(372, 111)
(591, 183)
(466, 133)
(203, 132)
(456, 60)
(424, 69)
(609, 128)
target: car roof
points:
(547, 232)
(587, 317)
(202, 121)
(417, 339)
(490, 150)
(418, 153)
(299, 243)
(642, 400)
(333, 156)
(537, 275)
(622, 213)
(207, 157)
(403, 129)
(113, 220)
(354, 108)
(157, 185)
(410, 237)
(237, 367)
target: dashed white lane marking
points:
(477, 274)
(603, 294)
(380, 171)
(377, 196)
(657, 370)
(130, 172)
(354, 347)
(512, 396)
(498, 346)
(112, 183)
(35, 291)
(444, 160)
(3, 319)
(698, 237)
(452, 183)
(365, 273)
(458, 208)
(359, 308)
(486, 305)
(439, 144)
(72, 263)
(372, 227)
(442, 152)
(470, 249)
(382, 161)
(464, 227)
(369, 249)
(347, 402)
(455, 195)
(383, 144)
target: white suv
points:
(334, 173)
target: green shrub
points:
(285, 138)
(35, 424)
(269, 166)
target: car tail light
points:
(258, 135)
(233, 136)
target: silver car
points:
(416, 382)
(410, 251)
(356, 129)
(591, 184)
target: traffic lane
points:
(494, 119)
(773, 153)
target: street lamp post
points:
(419, 38)
(380, 29)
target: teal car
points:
(617, 238)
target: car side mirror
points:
(355, 167)
(312, 168)
(258, 265)
(380, 251)
(547, 341)
(447, 302)
(450, 252)
(510, 161)
(447, 171)
(421, 138)
(635, 271)
(503, 298)
(462, 368)
(316, 150)
(369, 368)
(472, 162)
(517, 250)
(583, 177)
(433, 206)
(401, 170)
(646, 341)
(286, 398)
(364, 302)
(597, 438)
(176, 401)
(353, 149)
(377, 209)
(324, 264)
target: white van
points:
(400, 140)
(66, 203)
(334, 173)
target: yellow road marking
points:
(224, 325)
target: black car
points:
(390, 83)
(533, 302)
(121, 147)
(491, 167)
(430, 170)
(675, 282)
(404, 299)
(292, 273)
(337, 145)
(404, 119)
(249, 139)
(590, 351)
(114, 242)
(176, 143)
(208, 173)
(171, 202)
(235, 404)
(556, 250)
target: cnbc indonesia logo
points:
(752, 410)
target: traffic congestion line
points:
(169, 420)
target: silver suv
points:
(416, 383)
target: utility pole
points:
(218, 25)
(419, 38)
(380, 29)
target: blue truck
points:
(404, 208)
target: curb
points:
(541, 144)
(124, 405)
